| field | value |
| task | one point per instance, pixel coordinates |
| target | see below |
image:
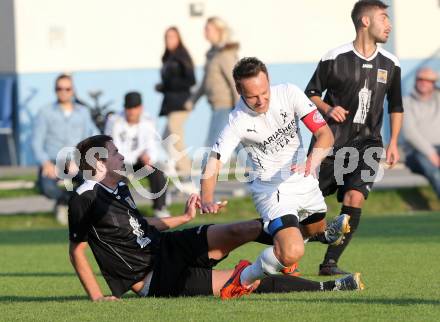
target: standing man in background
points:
(62, 124)
(356, 78)
(420, 127)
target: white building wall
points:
(417, 28)
(55, 35)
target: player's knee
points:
(290, 254)
(354, 198)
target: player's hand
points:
(72, 168)
(435, 159)
(188, 105)
(338, 113)
(392, 155)
(191, 206)
(308, 168)
(212, 207)
(49, 170)
(106, 299)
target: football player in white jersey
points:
(285, 190)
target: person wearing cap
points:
(420, 127)
(136, 138)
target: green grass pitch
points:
(398, 256)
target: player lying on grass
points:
(133, 252)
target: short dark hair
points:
(60, 77)
(96, 141)
(248, 67)
(361, 7)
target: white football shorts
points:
(299, 196)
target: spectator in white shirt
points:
(135, 136)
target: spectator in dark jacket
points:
(177, 76)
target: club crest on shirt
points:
(382, 76)
(284, 115)
(137, 230)
(130, 202)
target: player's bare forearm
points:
(336, 113)
(396, 120)
(207, 184)
(322, 106)
(323, 145)
(192, 204)
(84, 271)
(209, 180)
(168, 223)
(392, 152)
(321, 148)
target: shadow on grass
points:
(414, 198)
(375, 301)
(37, 274)
(41, 299)
(384, 301)
(416, 225)
(14, 298)
(37, 236)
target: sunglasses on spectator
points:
(63, 89)
(420, 79)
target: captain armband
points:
(314, 121)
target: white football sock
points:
(266, 264)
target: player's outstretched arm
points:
(207, 185)
(85, 273)
(323, 145)
(191, 206)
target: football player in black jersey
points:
(134, 253)
(356, 77)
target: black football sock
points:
(334, 252)
(285, 284)
(263, 238)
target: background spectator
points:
(218, 84)
(177, 76)
(135, 136)
(420, 127)
(62, 124)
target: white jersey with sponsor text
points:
(272, 139)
